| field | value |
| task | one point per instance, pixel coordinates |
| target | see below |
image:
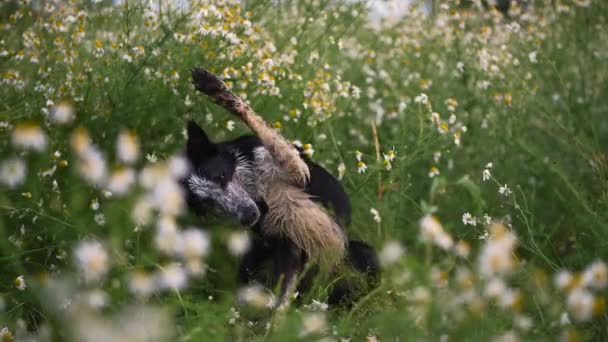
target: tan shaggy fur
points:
(292, 213)
(281, 177)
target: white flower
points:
(12, 172)
(580, 304)
(256, 296)
(62, 113)
(391, 253)
(596, 275)
(196, 243)
(361, 167)
(29, 136)
(168, 197)
(563, 279)
(151, 157)
(504, 190)
(308, 150)
(486, 175)
(188, 102)
(422, 98)
(358, 155)
(92, 166)
(433, 171)
(431, 230)
(121, 180)
(376, 215)
(239, 243)
(316, 305)
(20, 283)
(167, 238)
(172, 277)
(127, 147)
(467, 218)
(496, 255)
(230, 125)
(100, 219)
(6, 335)
(179, 167)
(96, 299)
(94, 205)
(141, 284)
(313, 323)
(341, 170)
(91, 260)
(495, 288)
(532, 57)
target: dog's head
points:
(220, 178)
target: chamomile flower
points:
(62, 113)
(433, 171)
(563, 279)
(127, 147)
(486, 175)
(195, 242)
(391, 252)
(504, 190)
(496, 255)
(121, 180)
(468, 219)
(432, 231)
(308, 150)
(376, 215)
(361, 167)
(141, 284)
(172, 277)
(358, 155)
(29, 136)
(256, 296)
(239, 243)
(6, 335)
(20, 283)
(313, 324)
(92, 260)
(12, 172)
(316, 305)
(341, 170)
(580, 304)
(92, 166)
(596, 275)
(230, 125)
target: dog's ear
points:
(198, 146)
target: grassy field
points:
(474, 147)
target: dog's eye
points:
(220, 179)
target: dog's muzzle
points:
(249, 216)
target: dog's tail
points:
(364, 260)
(284, 153)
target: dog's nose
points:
(250, 217)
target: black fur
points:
(272, 258)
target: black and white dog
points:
(241, 179)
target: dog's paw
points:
(207, 82)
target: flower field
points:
(472, 141)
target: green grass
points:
(540, 119)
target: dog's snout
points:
(250, 216)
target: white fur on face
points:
(234, 199)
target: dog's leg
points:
(284, 153)
(253, 260)
(289, 261)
